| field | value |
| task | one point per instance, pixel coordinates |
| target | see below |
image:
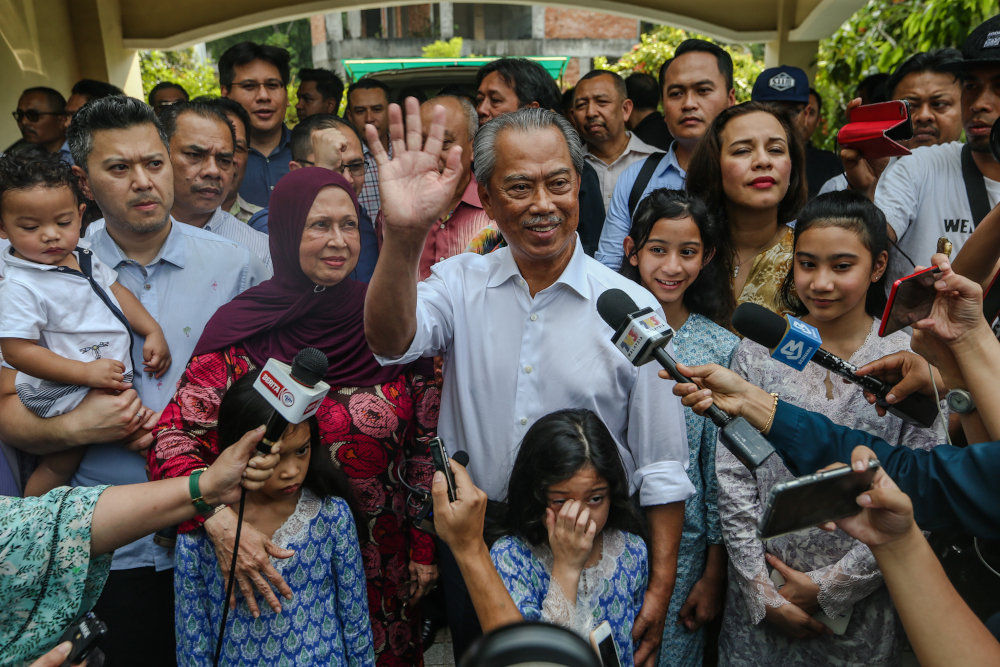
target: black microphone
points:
(641, 336)
(461, 457)
(295, 392)
(765, 328)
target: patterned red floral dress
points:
(370, 431)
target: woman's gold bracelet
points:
(774, 411)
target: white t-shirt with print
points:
(923, 197)
(59, 308)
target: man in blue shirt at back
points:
(256, 76)
(697, 84)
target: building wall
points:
(563, 23)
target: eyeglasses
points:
(33, 114)
(356, 168)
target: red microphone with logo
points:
(295, 392)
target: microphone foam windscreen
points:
(614, 306)
(309, 366)
(461, 457)
(759, 324)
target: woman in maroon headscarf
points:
(376, 420)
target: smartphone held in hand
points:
(604, 643)
(910, 300)
(875, 130)
(806, 502)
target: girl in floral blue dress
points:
(572, 552)
(303, 507)
(671, 250)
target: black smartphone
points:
(910, 300)
(86, 633)
(806, 502)
(439, 456)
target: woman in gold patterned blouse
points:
(749, 169)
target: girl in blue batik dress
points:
(572, 552)
(671, 251)
(303, 507)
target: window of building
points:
(485, 21)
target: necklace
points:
(753, 255)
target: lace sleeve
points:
(849, 580)
(577, 617)
(738, 502)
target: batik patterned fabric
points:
(843, 568)
(612, 590)
(699, 341)
(767, 274)
(49, 578)
(325, 622)
(370, 431)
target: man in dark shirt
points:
(789, 87)
(646, 122)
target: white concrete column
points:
(447, 18)
(354, 24)
(334, 27)
(538, 22)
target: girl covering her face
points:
(572, 553)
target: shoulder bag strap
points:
(642, 180)
(975, 187)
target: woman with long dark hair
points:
(749, 169)
(673, 251)
(572, 551)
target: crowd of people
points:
(446, 255)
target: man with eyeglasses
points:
(256, 76)
(328, 141)
(40, 115)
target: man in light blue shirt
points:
(181, 275)
(697, 84)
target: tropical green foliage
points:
(182, 67)
(442, 49)
(295, 36)
(657, 47)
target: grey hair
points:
(471, 117)
(116, 112)
(526, 119)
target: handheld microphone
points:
(795, 343)
(642, 335)
(295, 392)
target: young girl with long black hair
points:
(837, 284)
(572, 551)
(672, 250)
(306, 506)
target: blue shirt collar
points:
(173, 249)
(286, 136)
(670, 162)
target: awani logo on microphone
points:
(286, 397)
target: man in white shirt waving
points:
(519, 328)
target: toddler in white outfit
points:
(65, 322)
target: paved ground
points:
(440, 654)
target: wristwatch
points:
(960, 401)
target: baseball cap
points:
(781, 84)
(981, 47)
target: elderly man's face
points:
(456, 130)
(201, 153)
(600, 111)
(533, 194)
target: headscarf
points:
(289, 312)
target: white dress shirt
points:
(635, 151)
(227, 226)
(511, 359)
